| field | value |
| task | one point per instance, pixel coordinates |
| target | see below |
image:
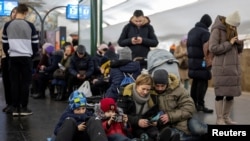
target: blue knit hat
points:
(76, 100)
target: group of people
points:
(141, 113)
(213, 55)
(155, 107)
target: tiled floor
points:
(40, 125)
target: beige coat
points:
(177, 103)
(181, 53)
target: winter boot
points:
(227, 109)
(219, 112)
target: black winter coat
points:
(197, 36)
(77, 64)
(146, 31)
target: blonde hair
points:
(144, 79)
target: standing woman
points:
(181, 54)
(226, 71)
(5, 70)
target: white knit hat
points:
(233, 19)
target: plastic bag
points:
(85, 89)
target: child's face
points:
(109, 113)
(80, 110)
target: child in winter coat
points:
(114, 123)
(77, 123)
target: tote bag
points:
(85, 88)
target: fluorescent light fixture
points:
(106, 4)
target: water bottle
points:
(203, 64)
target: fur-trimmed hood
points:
(173, 81)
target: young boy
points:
(114, 123)
(77, 123)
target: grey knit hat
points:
(125, 53)
(160, 76)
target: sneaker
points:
(7, 108)
(165, 135)
(25, 111)
(15, 112)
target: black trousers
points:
(6, 80)
(20, 78)
(93, 132)
(43, 83)
(198, 91)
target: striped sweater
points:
(20, 38)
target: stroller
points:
(162, 59)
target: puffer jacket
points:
(118, 68)
(146, 31)
(78, 64)
(197, 37)
(177, 103)
(226, 68)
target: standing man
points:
(20, 43)
(139, 36)
(197, 70)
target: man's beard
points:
(160, 91)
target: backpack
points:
(128, 79)
(208, 55)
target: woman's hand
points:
(143, 123)
(233, 40)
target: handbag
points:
(59, 74)
(85, 89)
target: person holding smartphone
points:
(114, 123)
(77, 123)
(139, 36)
(226, 68)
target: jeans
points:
(197, 129)
(119, 137)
